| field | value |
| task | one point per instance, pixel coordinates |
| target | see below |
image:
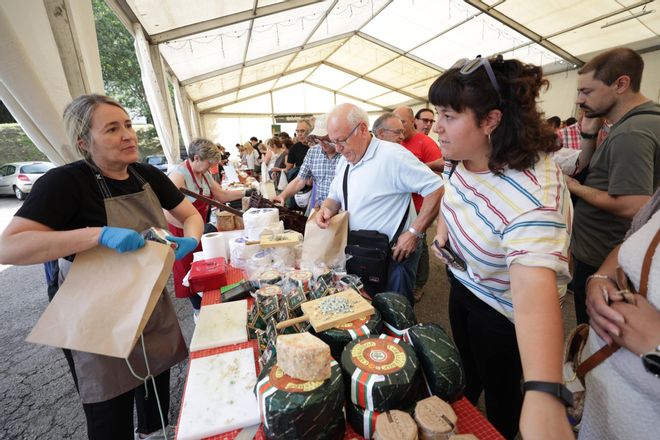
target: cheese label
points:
(290, 384)
(378, 356)
(353, 325)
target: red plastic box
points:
(208, 275)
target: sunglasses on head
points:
(468, 67)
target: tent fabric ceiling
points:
(258, 55)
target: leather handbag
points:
(575, 369)
(368, 252)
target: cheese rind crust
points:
(303, 356)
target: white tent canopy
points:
(238, 64)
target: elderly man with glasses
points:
(318, 166)
(377, 177)
(427, 151)
(388, 127)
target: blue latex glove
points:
(185, 245)
(120, 239)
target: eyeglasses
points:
(427, 120)
(345, 140)
(468, 67)
(397, 131)
(320, 140)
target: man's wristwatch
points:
(556, 389)
(584, 135)
(651, 361)
(416, 233)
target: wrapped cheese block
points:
(362, 420)
(395, 425)
(396, 311)
(293, 409)
(440, 360)
(337, 337)
(381, 373)
(436, 419)
(303, 356)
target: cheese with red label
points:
(303, 356)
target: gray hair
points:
(204, 148)
(378, 123)
(309, 124)
(78, 119)
(356, 115)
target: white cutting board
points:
(220, 325)
(219, 395)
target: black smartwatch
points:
(556, 389)
(651, 361)
(584, 135)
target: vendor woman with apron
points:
(107, 199)
(194, 175)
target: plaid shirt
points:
(320, 168)
(570, 137)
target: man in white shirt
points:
(380, 176)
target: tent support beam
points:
(538, 39)
(67, 46)
(256, 83)
(228, 20)
(378, 83)
(264, 59)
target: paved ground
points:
(37, 396)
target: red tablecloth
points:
(469, 419)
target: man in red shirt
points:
(428, 152)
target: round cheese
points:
(381, 373)
(396, 311)
(395, 425)
(363, 421)
(436, 419)
(439, 359)
(339, 336)
(298, 409)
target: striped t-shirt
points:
(521, 217)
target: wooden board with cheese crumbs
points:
(331, 311)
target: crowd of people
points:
(517, 227)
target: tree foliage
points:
(119, 65)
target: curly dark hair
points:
(522, 132)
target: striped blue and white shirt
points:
(521, 217)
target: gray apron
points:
(101, 378)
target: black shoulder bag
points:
(369, 252)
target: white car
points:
(18, 177)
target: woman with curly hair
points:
(506, 213)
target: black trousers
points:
(581, 271)
(113, 419)
(486, 341)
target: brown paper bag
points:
(106, 300)
(325, 245)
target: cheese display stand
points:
(312, 356)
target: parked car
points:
(18, 177)
(157, 160)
